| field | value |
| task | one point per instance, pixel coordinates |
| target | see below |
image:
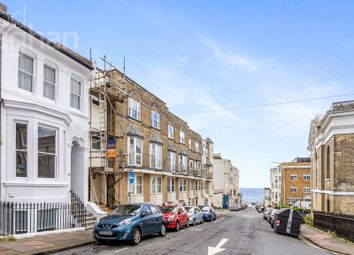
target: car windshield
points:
(168, 209)
(189, 209)
(205, 209)
(126, 210)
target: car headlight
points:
(171, 218)
(125, 222)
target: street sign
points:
(131, 177)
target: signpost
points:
(131, 183)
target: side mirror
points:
(143, 214)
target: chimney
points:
(3, 8)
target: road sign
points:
(131, 177)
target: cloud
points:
(226, 58)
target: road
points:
(246, 233)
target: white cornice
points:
(25, 106)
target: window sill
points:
(35, 184)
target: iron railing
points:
(24, 218)
(343, 225)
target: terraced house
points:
(158, 147)
(44, 131)
(331, 142)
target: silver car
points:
(195, 215)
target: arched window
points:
(328, 161)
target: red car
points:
(175, 216)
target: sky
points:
(204, 56)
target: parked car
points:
(271, 217)
(175, 216)
(260, 209)
(266, 212)
(269, 214)
(235, 207)
(195, 215)
(130, 222)
(208, 213)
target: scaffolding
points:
(105, 91)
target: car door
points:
(198, 214)
(184, 215)
(147, 222)
(157, 219)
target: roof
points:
(208, 140)
(61, 48)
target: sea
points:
(252, 195)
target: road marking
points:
(217, 249)
(123, 249)
(197, 229)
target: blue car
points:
(130, 222)
(208, 213)
(195, 215)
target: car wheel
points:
(187, 225)
(214, 218)
(201, 221)
(194, 222)
(136, 236)
(162, 230)
(177, 226)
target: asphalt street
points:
(242, 233)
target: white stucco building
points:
(225, 182)
(44, 117)
(275, 185)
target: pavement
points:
(326, 241)
(46, 244)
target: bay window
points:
(21, 150)
(155, 156)
(46, 152)
(171, 184)
(172, 161)
(156, 184)
(135, 148)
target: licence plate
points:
(105, 233)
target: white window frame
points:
(172, 161)
(182, 161)
(196, 146)
(155, 120)
(190, 143)
(182, 137)
(156, 184)
(25, 72)
(171, 185)
(48, 153)
(134, 108)
(46, 82)
(155, 156)
(21, 150)
(182, 186)
(136, 184)
(76, 94)
(170, 131)
(132, 156)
